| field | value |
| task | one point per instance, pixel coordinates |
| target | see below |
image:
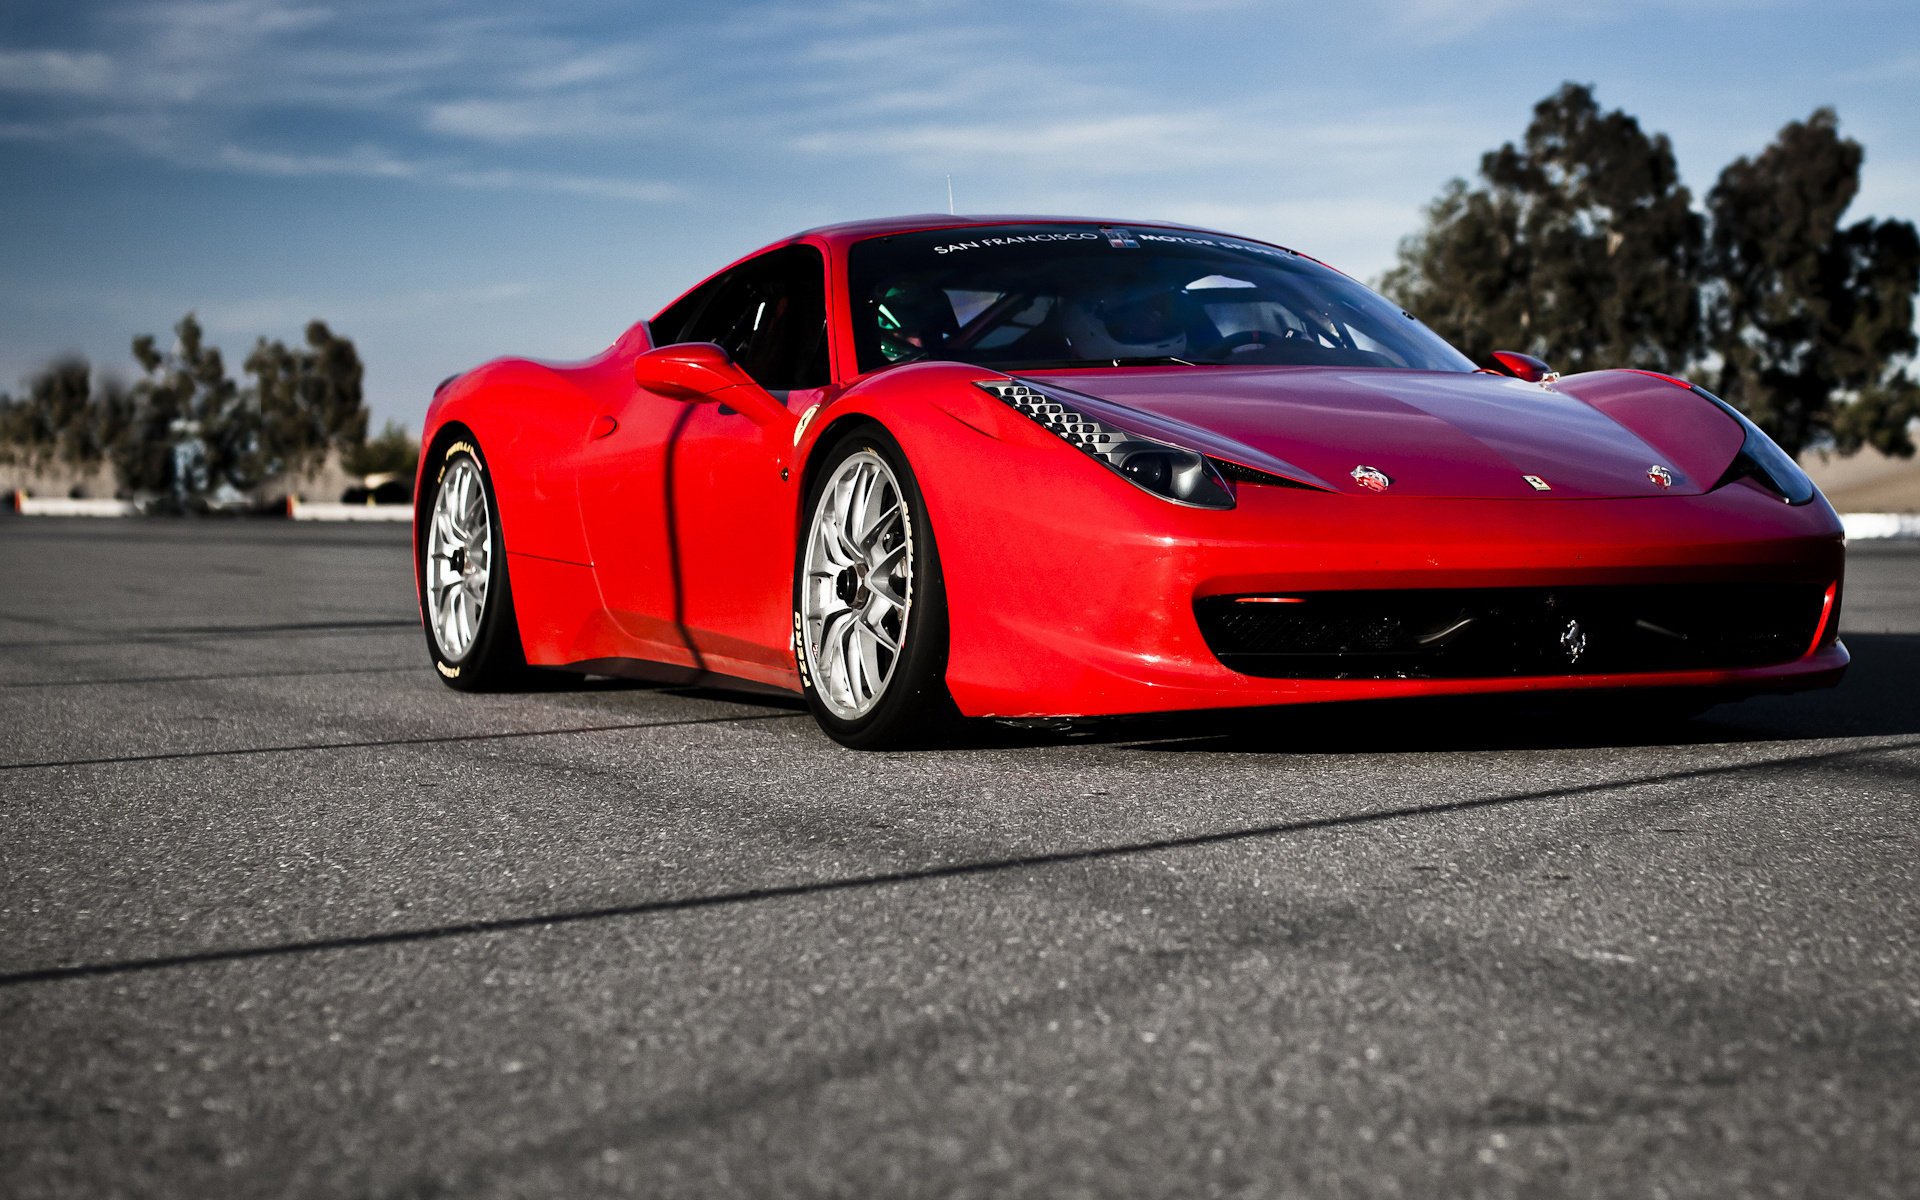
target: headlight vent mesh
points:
(1069, 423)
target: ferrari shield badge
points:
(1537, 484)
(1372, 478)
(1660, 475)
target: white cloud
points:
(1450, 20)
(1442, 19)
(1900, 68)
(642, 190)
(187, 21)
(247, 316)
(371, 162)
(1108, 145)
(527, 119)
(579, 66)
(364, 161)
(55, 72)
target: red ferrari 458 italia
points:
(934, 468)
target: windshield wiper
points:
(1079, 364)
(1054, 364)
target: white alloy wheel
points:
(459, 559)
(856, 597)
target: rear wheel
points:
(870, 621)
(466, 600)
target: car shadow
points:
(672, 682)
(1876, 699)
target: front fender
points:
(1004, 498)
(1697, 438)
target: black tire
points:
(914, 709)
(494, 659)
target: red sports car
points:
(940, 467)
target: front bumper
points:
(1085, 605)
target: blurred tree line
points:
(1581, 246)
(185, 429)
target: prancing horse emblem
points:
(1372, 479)
(1573, 641)
(1660, 475)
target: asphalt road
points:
(281, 915)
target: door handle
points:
(603, 426)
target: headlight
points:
(1171, 472)
(1761, 460)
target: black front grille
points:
(1466, 633)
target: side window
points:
(770, 314)
(669, 327)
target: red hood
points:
(1433, 433)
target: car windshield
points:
(1061, 296)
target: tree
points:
(1580, 245)
(186, 429)
(393, 452)
(64, 419)
(192, 430)
(189, 427)
(40, 425)
(309, 401)
(1812, 322)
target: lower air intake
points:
(1468, 633)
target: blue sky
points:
(446, 182)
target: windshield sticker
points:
(1118, 238)
(1016, 240)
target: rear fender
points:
(531, 419)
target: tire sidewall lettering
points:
(452, 449)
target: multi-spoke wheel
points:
(869, 610)
(465, 600)
(459, 554)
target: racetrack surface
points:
(282, 915)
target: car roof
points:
(854, 231)
(845, 233)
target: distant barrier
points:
(1862, 526)
(301, 510)
(67, 506)
(293, 508)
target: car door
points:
(685, 512)
(622, 475)
(734, 514)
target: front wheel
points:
(869, 605)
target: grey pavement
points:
(282, 915)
